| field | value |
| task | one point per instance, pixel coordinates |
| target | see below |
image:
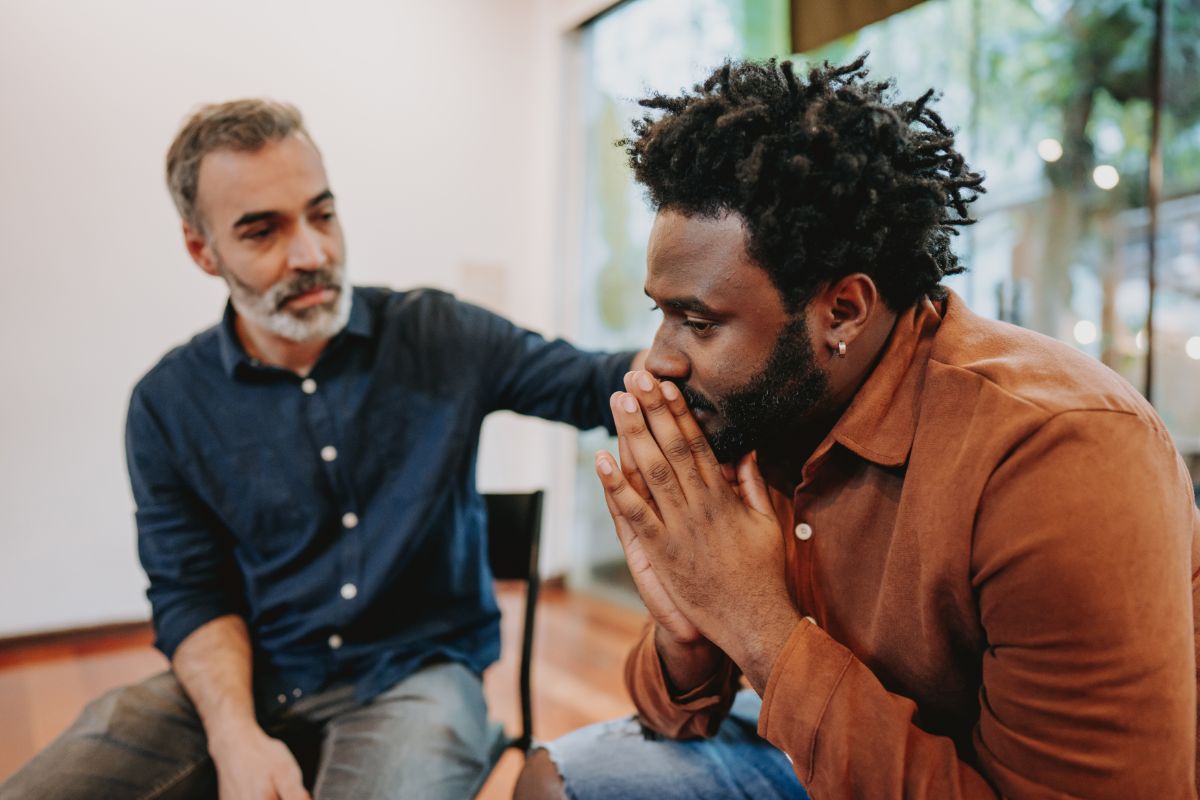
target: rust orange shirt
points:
(996, 548)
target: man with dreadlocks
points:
(953, 558)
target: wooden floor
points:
(579, 651)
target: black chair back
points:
(514, 536)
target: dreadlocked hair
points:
(829, 175)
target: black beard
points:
(772, 403)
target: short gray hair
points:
(242, 125)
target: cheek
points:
(258, 270)
(335, 244)
(720, 369)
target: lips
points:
(318, 295)
(698, 404)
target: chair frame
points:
(506, 504)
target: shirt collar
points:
(881, 420)
(233, 356)
(362, 321)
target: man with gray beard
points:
(306, 506)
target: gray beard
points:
(267, 309)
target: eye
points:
(654, 307)
(259, 233)
(700, 327)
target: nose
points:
(667, 362)
(305, 252)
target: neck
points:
(783, 463)
(271, 348)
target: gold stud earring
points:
(841, 348)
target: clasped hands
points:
(701, 539)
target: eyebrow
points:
(251, 217)
(692, 304)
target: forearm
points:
(214, 665)
(756, 647)
(829, 713)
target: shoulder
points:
(433, 316)
(180, 366)
(397, 302)
(999, 401)
(1021, 374)
(420, 305)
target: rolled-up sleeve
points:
(183, 549)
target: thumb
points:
(753, 487)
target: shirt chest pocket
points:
(261, 504)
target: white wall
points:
(437, 119)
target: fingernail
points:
(629, 404)
(604, 465)
(669, 390)
(644, 382)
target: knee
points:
(539, 779)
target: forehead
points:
(705, 258)
(280, 176)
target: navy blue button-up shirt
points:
(338, 514)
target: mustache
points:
(695, 400)
(323, 278)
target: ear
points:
(199, 249)
(845, 309)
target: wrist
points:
(686, 664)
(663, 638)
(759, 649)
(230, 735)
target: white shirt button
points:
(804, 531)
(335, 642)
(329, 452)
(349, 520)
(296, 692)
(308, 386)
(282, 698)
(349, 591)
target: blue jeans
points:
(619, 760)
(427, 737)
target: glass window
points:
(1052, 100)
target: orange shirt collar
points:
(881, 420)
